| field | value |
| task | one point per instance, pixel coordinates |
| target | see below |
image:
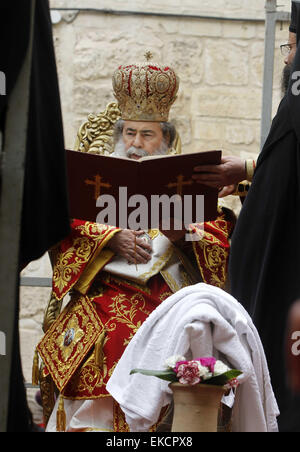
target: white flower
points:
(220, 368)
(171, 362)
(207, 376)
(203, 371)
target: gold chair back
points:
(96, 135)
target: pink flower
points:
(179, 363)
(188, 372)
(208, 362)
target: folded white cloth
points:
(197, 321)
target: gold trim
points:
(52, 311)
(101, 258)
(90, 429)
(170, 281)
(242, 189)
(250, 165)
(189, 268)
(89, 378)
(62, 355)
(85, 249)
(35, 369)
(159, 264)
(47, 388)
(100, 396)
(95, 135)
(177, 146)
(61, 419)
(121, 281)
(214, 259)
(98, 351)
(153, 233)
(197, 259)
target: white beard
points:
(120, 150)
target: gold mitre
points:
(145, 91)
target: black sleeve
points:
(45, 218)
(295, 20)
(14, 38)
(293, 24)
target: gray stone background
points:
(220, 64)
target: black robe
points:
(45, 214)
(295, 20)
(265, 253)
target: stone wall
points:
(253, 9)
(220, 63)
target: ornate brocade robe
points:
(82, 347)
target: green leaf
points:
(167, 375)
(222, 379)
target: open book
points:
(109, 189)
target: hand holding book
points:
(129, 245)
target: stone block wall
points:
(220, 64)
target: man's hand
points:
(230, 172)
(227, 190)
(127, 244)
(173, 229)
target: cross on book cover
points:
(110, 190)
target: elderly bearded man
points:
(109, 297)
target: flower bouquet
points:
(198, 386)
(206, 370)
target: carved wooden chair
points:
(95, 135)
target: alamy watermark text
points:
(296, 345)
(2, 84)
(2, 344)
(136, 213)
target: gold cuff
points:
(250, 166)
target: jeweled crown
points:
(145, 91)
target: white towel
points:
(197, 321)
